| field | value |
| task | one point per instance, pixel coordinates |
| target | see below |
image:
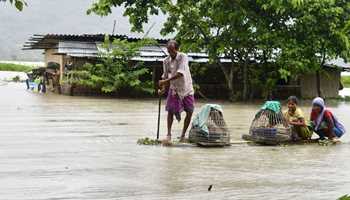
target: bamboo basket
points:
(218, 133)
(269, 128)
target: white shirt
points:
(182, 86)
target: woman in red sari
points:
(324, 123)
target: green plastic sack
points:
(274, 106)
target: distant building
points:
(305, 85)
(77, 50)
(84, 48)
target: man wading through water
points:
(177, 80)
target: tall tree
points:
(318, 31)
(221, 28)
(287, 34)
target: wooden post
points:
(62, 63)
(154, 78)
(159, 108)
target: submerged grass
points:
(345, 197)
(346, 81)
(14, 67)
(339, 98)
(148, 141)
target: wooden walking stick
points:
(159, 107)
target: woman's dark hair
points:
(294, 99)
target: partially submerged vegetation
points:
(346, 81)
(16, 79)
(345, 197)
(14, 67)
(148, 141)
(345, 98)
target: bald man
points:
(177, 80)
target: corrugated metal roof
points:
(339, 63)
(75, 44)
(47, 41)
(87, 45)
(95, 37)
(152, 53)
(73, 47)
(81, 55)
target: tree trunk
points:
(245, 82)
(228, 73)
(318, 84)
(318, 78)
(230, 85)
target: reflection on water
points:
(60, 147)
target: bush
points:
(14, 67)
(78, 77)
(114, 72)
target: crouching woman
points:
(324, 123)
(295, 117)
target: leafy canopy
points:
(308, 25)
(287, 37)
(318, 31)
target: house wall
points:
(51, 56)
(329, 81)
(80, 62)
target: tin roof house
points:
(81, 49)
(59, 47)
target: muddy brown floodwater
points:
(59, 147)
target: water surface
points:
(61, 147)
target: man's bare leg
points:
(170, 123)
(186, 125)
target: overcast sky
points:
(56, 16)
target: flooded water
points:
(8, 76)
(59, 147)
(344, 92)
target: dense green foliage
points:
(14, 67)
(285, 38)
(346, 81)
(319, 31)
(115, 70)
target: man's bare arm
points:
(167, 81)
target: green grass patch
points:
(14, 67)
(346, 81)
